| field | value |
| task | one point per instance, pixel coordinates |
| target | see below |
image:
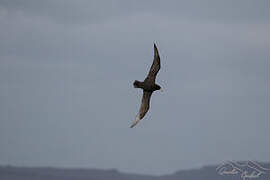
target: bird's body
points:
(148, 86)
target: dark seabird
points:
(148, 86)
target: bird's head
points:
(157, 87)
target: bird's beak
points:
(161, 90)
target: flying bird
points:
(148, 86)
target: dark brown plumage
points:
(148, 86)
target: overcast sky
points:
(66, 74)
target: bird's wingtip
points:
(135, 122)
(155, 50)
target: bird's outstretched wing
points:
(155, 66)
(144, 107)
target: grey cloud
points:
(58, 58)
(95, 11)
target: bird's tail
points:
(135, 121)
(136, 84)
